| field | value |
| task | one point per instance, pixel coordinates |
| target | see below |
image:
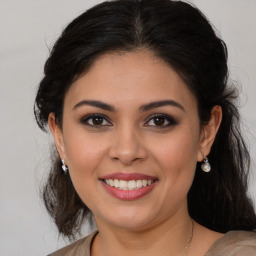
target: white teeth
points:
(131, 184)
(123, 184)
(116, 183)
(111, 183)
(139, 184)
(128, 185)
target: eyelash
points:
(85, 120)
(168, 120)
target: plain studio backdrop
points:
(27, 30)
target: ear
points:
(208, 132)
(57, 135)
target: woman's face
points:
(131, 140)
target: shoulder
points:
(80, 247)
(234, 243)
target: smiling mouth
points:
(128, 185)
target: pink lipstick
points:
(128, 186)
(128, 176)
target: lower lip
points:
(128, 194)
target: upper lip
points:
(127, 176)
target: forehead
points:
(137, 77)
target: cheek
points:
(84, 153)
(177, 155)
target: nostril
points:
(127, 148)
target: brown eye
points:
(161, 121)
(96, 120)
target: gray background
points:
(27, 30)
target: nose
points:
(127, 147)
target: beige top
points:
(233, 243)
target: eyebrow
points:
(146, 107)
(162, 103)
(95, 103)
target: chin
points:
(129, 219)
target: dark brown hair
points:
(179, 34)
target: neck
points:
(171, 237)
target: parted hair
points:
(181, 35)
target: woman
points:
(135, 95)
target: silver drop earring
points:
(205, 165)
(64, 167)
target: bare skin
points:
(153, 243)
(132, 113)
